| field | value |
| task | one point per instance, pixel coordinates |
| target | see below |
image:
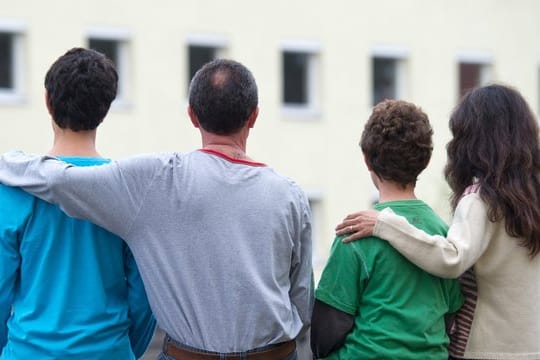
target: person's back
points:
(69, 289)
(504, 277)
(401, 308)
(371, 302)
(238, 231)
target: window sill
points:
(11, 98)
(300, 111)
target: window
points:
(300, 80)
(7, 61)
(198, 56)
(11, 61)
(471, 75)
(115, 45)
(474, 69)
(388, 75)
(295, 78)
(202, 49)
(385, 82)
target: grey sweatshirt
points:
(223, 246)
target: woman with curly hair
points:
(493, 170)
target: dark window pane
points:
(107, 47)
(295, 78)
(198, 56)
(384, 79)
(469, 77)
(6, 61)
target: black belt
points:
(278, 352)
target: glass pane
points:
(6, 61)
(107, 47)
(295, 78)
(198, 56)
(384, 79)
(469, 77)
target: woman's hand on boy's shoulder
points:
(357, 225)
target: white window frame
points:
(123, 66)
(538, 91)
(400, 55)
(312, 108)
(17, 28)
(319, 247)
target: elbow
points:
(448, 269)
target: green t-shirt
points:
(398, 308)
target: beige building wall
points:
(318, 146)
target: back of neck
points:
(71, 143)
(389, 191)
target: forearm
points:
(107, 195)
(143, 323)
(448, 256)
(329, 328)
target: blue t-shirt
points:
(68, 289)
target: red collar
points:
(233, 160)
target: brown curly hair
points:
(397, 141)
(495, 142)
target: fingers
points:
(357, 225)
(355, 236)
(353, 215)
(343, 227)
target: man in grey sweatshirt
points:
(223, 242)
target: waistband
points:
(273, 352)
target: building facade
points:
(320, 67)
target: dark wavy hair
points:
(495, 142)
(81, 84)
(397, 141)
(223, 94)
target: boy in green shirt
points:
(371, 302)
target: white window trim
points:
(313, 49)
(123, 37)
(390, 51)
(215, 41)
(17, 28)
(319, 258)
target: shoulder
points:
(148, 163)
(362, 249)
(471, 189)
(16, 206)
(13, 194)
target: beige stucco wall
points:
(319, 151)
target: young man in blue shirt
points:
(69, 289)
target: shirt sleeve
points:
(108, 195)
(329, 328)
(301, 275)
(12, 222)
(142, 320)
(467, 238)
(342, 280)
(341, 287)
